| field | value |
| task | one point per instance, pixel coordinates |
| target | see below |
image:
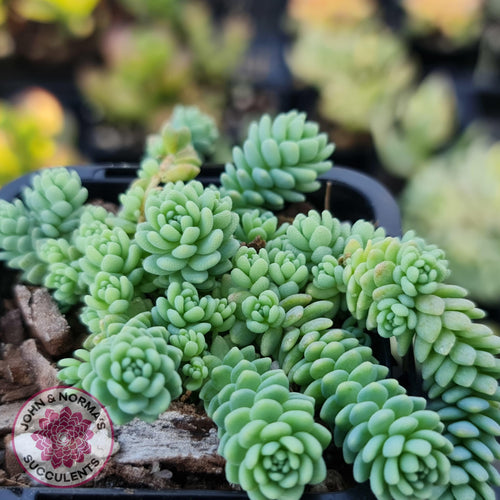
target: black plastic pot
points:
(360, 492)
(352, 196)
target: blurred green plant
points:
(451, 26)
(6, 42)
(35, 132)
(153, 63)
(217, 50)
(453, 201)
(74, 16)
(423, 120)
(487, 70)
(355, 69)
(144, 69)
(152, 10)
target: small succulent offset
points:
(202, 289)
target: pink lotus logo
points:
(64, 437)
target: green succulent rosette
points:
(258, 224)
(114, 252)
(279, 162)
(190, 342)
(182, 307)
(64, 281)
(317, 234)
(132, 372)
(16, 226)
(63, 276)
(188, 231)
(272, 445)
(289, 271)
(94, 221)
(195, 372)
(100, 321)
(55, 199)
(250, 271)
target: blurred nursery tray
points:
(350, 195)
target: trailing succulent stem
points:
(390, 438)
(202, 288)
(279, 162)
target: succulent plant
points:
(178, 302)
(182, 308)
(405, 136)
(397, 286)
(35, 132)
(188, 231)
(204, 131)
(279, 162)
(50, 208)
(133, 372)
(388, 436)
(355, 68)
(257, 223)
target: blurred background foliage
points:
(409, 90)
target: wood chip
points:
(187, 440)
(44, 319)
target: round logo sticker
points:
(62, 437)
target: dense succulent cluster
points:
(390, 437)
(272, 445)
(49, 208)
(397, 287)
(181, 291)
